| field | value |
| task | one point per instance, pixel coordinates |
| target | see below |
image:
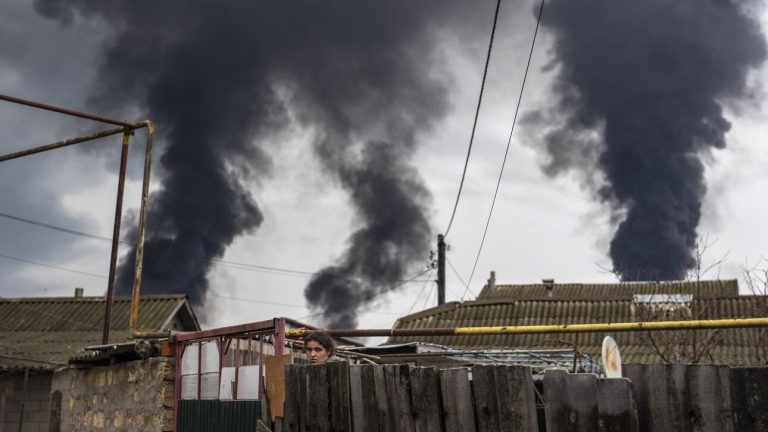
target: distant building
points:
(39, 336)
(557, 303)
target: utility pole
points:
(440, 269)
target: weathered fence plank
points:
(425, 399)
(318, 404)
(617, 411)
(338, 377)
(571, 401)
(398, 385)
(456, 395)
(658, 390)
(504, 398)
(292, 409)
(708, 388)
(387, 419)
(749, 396)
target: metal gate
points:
(218, 416)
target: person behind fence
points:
(319, 347)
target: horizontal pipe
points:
(67, 111)
(65, 143)
(537, 329)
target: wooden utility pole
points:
(440, 269)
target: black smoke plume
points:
(641, 87)
(218, 79)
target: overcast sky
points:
(542, 227)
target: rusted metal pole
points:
(139, 265)
(440, 269)
(67, 111)
(115, 237)
(64, 143)
(538, 329)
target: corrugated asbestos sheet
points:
(731, 346)
(613, 291)
(54, 329)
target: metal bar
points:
(558, 328)
(237, 368)
(115, 238)
(65, 111)
(139, 265)
(23, 398)
(261, 368)
(64, 143)
(280, 333)
(179, 353)
(440, 269)
(199, 369)
(242, 329)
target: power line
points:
(419, 296)
(466, 285)
(240, 265)
(477, 114)
(12, 258)
(371, 297)
(276, 303)
(506, 152)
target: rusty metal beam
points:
(69, 112)
(242, 329)
(139, 263)
(115, 237)
(64, 143)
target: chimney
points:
(549, 284)
(492, 281)
(79, 292)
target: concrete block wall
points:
(37, 403)
(132, 396)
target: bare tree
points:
(756, 280)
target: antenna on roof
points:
(611, 358)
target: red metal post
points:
(279, 340)
(199, 369)
(115, 238)
(261, 366)
(237, 369)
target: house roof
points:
(45, 332)
(609, 291)
(526, 306)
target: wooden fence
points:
(653, 398)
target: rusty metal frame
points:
(127, 129)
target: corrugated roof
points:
(735, 346)
(610, 291)
(43, 332)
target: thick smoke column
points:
(218, 79)
(648, 80)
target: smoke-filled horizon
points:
(640, 88)
(220, 82)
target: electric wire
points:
(371, 297)
(278, 303)
(12, 258)
(424, 287)
(233, 264)
(455, 272)
(506, 152)
(477, 114)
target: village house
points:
(43, 357)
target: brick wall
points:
(133, 396)
(37, 403)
